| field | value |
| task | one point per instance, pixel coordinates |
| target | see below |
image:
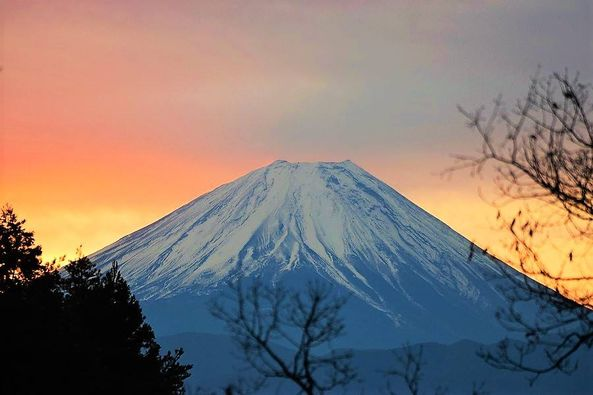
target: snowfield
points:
(301, 221)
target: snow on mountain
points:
(297, 221)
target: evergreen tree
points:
(31, 311)
(78, 331)
(111, 338)
(20, 258)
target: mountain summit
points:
(407, 271)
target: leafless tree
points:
(263, 319)
(409, 368)
(541, 154)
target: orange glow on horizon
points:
(113, 115)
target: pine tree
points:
(111, 338)
(20, 258)
(30, 311)
(78, 331)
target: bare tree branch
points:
(409, 368)
(542, 150)
(261, 318)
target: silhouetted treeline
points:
(78, 331)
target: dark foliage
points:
(261, 317)
(79, 331)
(19, 256)
(541, 153)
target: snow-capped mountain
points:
(408, 271)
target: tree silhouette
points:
(542, 151)
(20, 258)
(109, 332)
(261, 318)
(30, 310)
(409, 368)
(79, 331)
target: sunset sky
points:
(116, 113)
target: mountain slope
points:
(294, 222)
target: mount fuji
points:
(408, 272)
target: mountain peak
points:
(281, 162)
(308, 175)
(309, 220)
(331, 217)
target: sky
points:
(113, 114)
